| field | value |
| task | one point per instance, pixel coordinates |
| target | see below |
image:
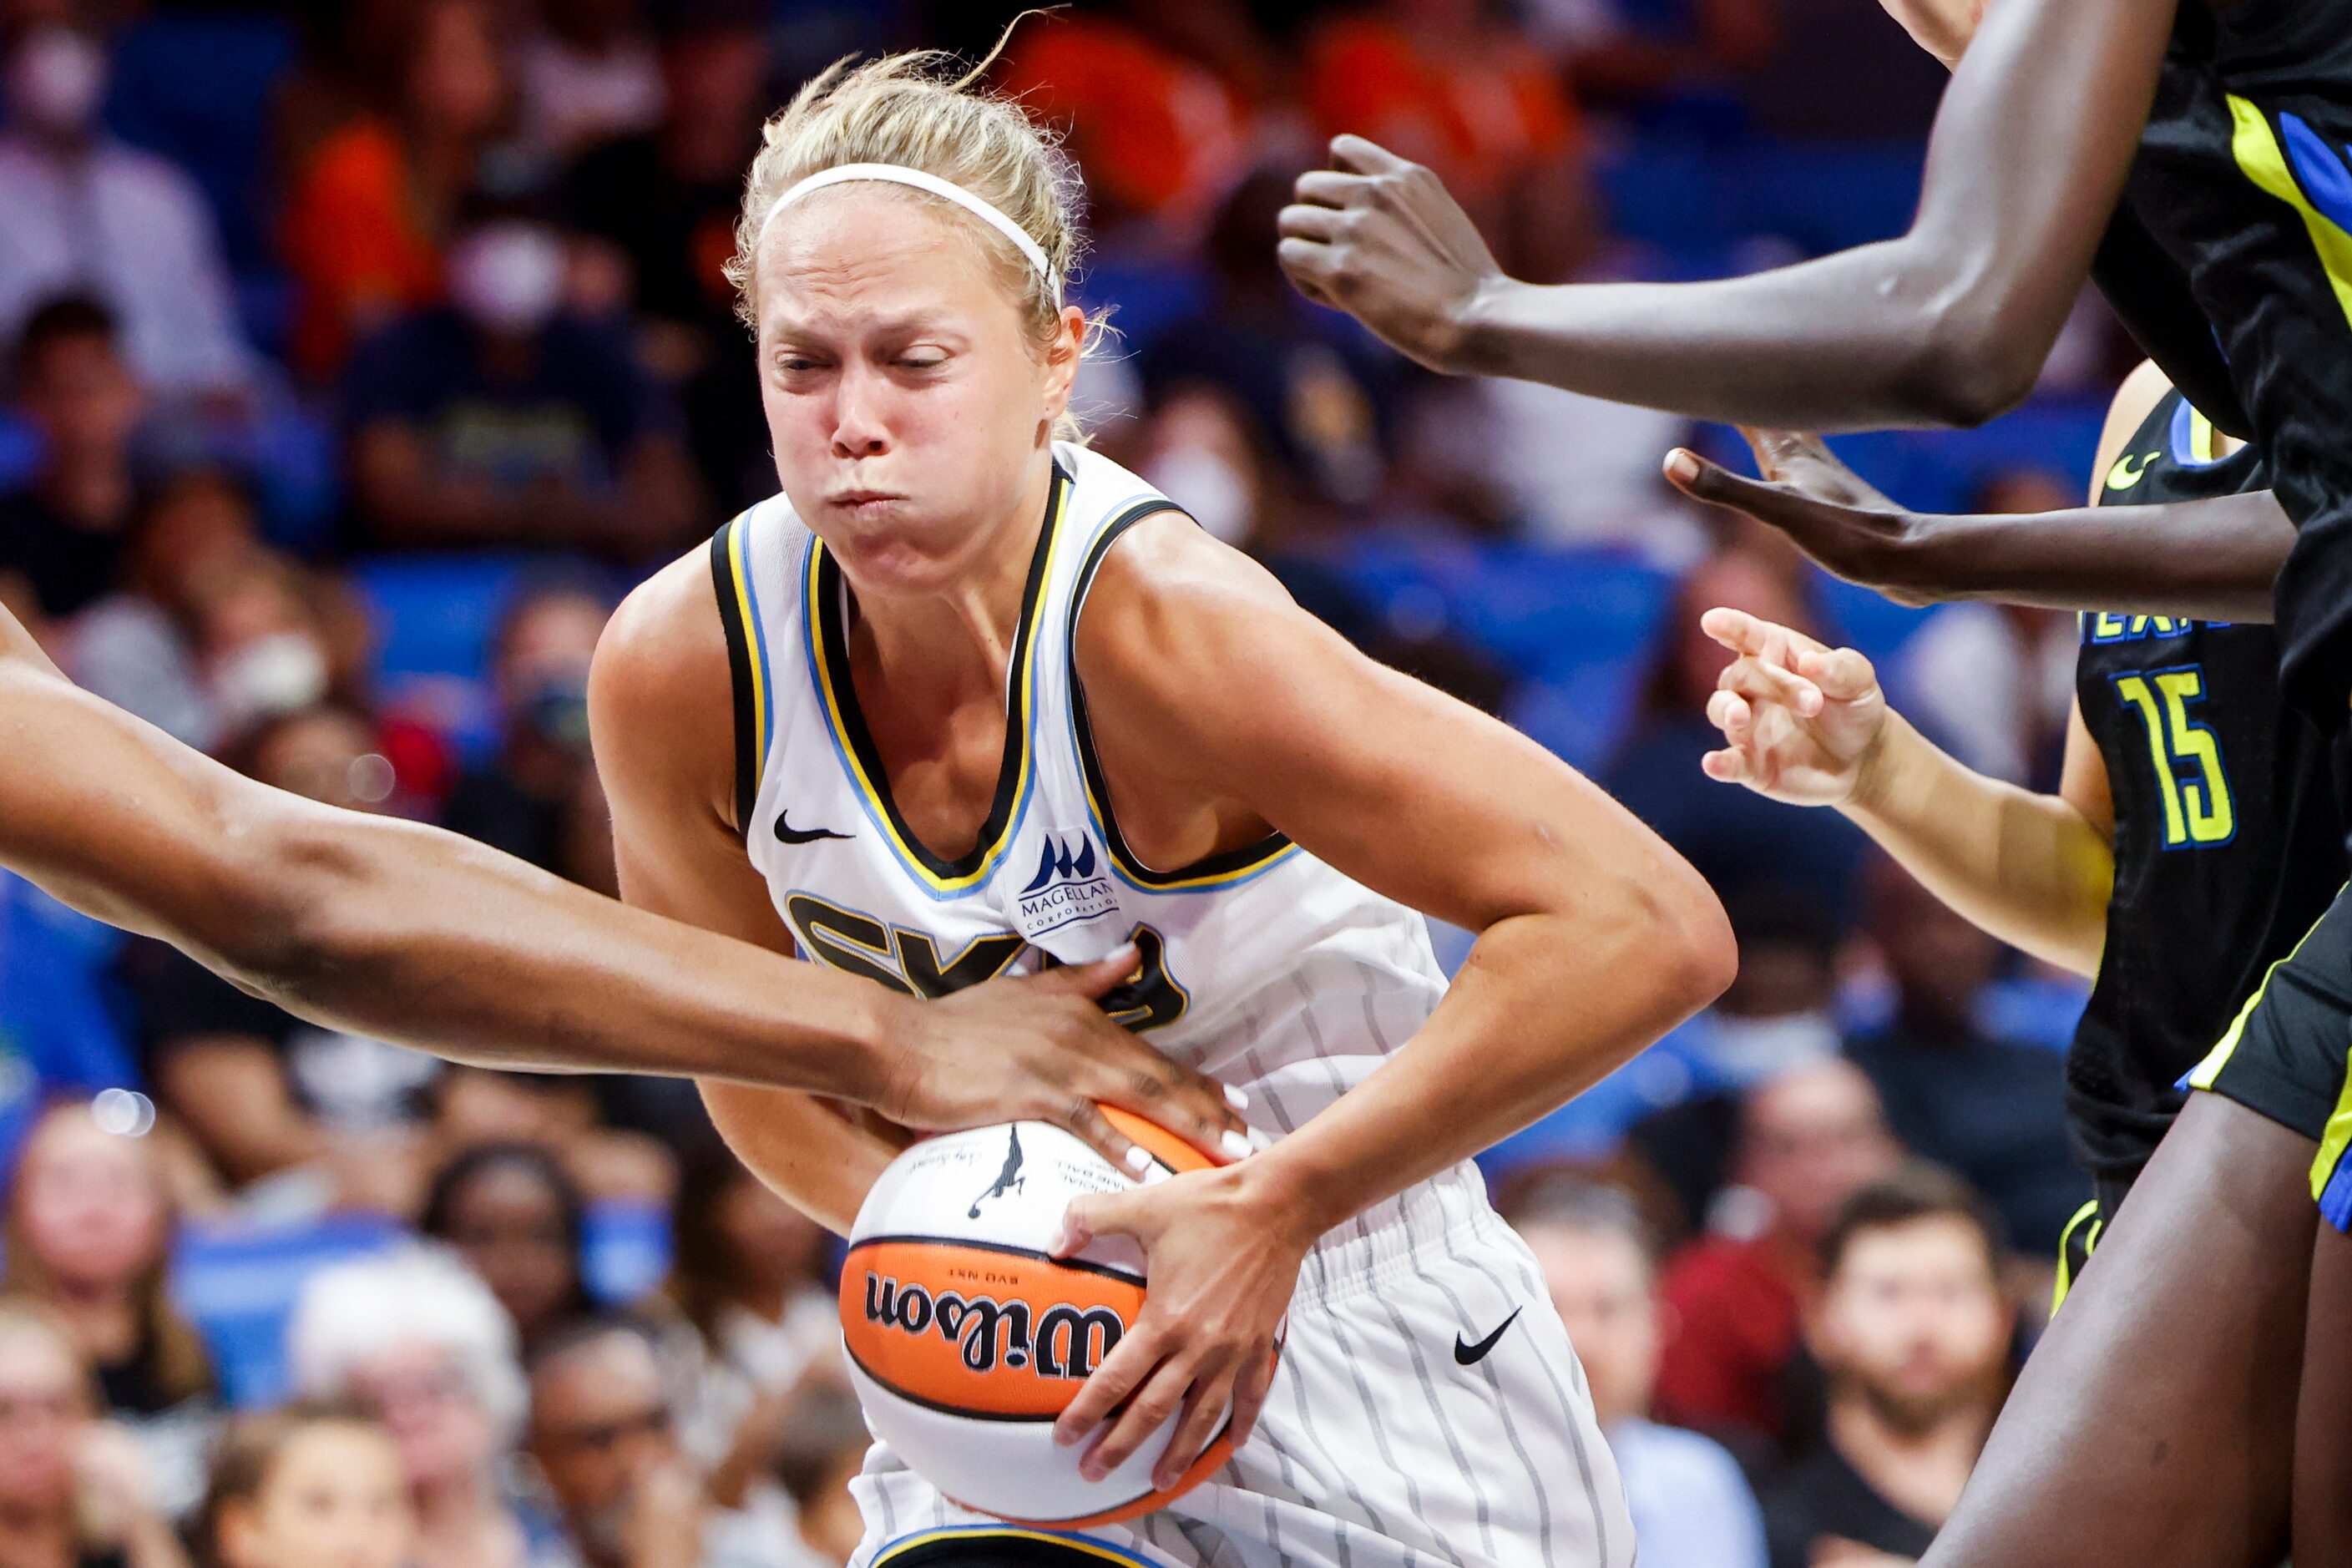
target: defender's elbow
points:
(1969, 365)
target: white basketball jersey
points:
(1264, 967)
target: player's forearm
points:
(412, 934)
(2212, 560)
(2029, 868)
(1949, 324)
(1546, 1006)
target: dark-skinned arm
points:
(1947, 324)
(411, 935)
(2208, 560)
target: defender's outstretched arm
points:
(417, 935)
(1947, 324)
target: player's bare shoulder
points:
(1171, 607)
(661, 693)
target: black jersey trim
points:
(735, 615)
(1211, 870)
(1016, 770)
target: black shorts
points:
(2286, 1055)
(1008, 1546)
(2081, 1236)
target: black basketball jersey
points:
(2228, 844)
(2244, 182)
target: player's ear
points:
(1064, 348)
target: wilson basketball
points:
(966, 1340)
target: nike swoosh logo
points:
(1471, 1355)
(798, 835)
(2123, 476)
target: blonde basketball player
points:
(966, 700)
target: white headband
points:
(894, 174)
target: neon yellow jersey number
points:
(2197, 811)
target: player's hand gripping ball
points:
(966, 1338)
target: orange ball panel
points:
(1003, 1333)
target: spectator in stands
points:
(88, 1235)
(513, 1213)
(603, 1434)
(1747, 841)
(264, 1093)
(589, 73)
(74, 1492)
(1777, 1014)
(750, 1276)
(370, 206)
(823, 1446)
(1679, 61)
(426, 1349)
(504, 419)
(1314, 389)
(1809, 1139)
(1692, 1508)
(1991, 1110)
(1457, 85)
(522, 801)
(317, 1484)
(1913, 1333)
(88, 215)
(1160, 137)
(62, 537)
(194, 532)
(555, 1112)
(659, 210)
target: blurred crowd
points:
(359, 356)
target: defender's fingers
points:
(1299, 221)
(1759, 680)
(1093, 978)
(1082, 1118)
(1727, 766)
(1728, 713)
(1308, 264)
(1089, 1219)
(1361, 155)
(1840, 672)
(1736, 629)
(1331, 188)
(1710, 482)
(1202, 1111)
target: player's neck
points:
(961, 634)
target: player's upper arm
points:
(2134, 400)
(1198, 666)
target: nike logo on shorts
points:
(1471, 1355)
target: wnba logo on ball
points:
(1069, 1340)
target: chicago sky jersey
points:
(1262, 967)
(2228, 840)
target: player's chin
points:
(891, 550)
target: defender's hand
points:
(1222, 1261)
(1827, 509)
(1800, 720)
(1035, 1048)
(1383, 240)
